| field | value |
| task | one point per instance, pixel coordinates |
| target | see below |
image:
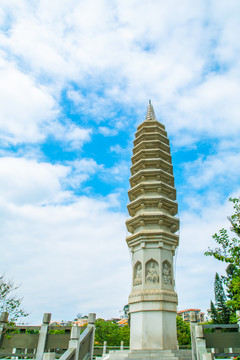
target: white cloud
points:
(69, 133)
(212, 107)
(195, 272)
(29, 112)
(214, 170)
(70, 255)
(25, 181)
(118, 149)
(25, 107)
(50, 246)
(117, 173)
(152, 52)
(82, 170)
(185, 58)
(106, 131)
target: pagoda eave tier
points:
(151, 153)
(151, 129)
(147, 123)
(149, 137)
(154, 144)
(152, 189)
(155, 203)
(153, 163)
(157, 236)
(153, 220)
(151, 175)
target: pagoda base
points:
(153, 320)
(149, 355)
(153, 330)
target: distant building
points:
(76, 322)
(116, 320)
(123, 322)
(185, 314)
(209, 315)
(80, 322)
(61, 323)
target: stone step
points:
(150, 355)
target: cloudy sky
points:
(75, 79)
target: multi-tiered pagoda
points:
(153, 239)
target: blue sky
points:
(76, 77)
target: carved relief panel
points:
(137, 274)
(152, 272)
(166, 272)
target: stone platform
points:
(149, 355)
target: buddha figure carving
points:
(166, 271)
(138, 274)
(152, 276)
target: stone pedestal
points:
(151, 329)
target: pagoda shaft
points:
(152, 240)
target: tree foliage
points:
(9, 301)
(221, 312)
(228, 251)
(183, 332)
(111, 332)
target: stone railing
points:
(41, 343)
(207, 345)
(103, 350)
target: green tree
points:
(111, 332)
(183, 332)
(9, 301)
(228, 251)
(221, 312)
(124, 334)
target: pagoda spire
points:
(150, 112)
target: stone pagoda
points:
(153, 239)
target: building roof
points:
(182, 311)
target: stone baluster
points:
(91, 325)
(43, 336)
(74, 341)
(104, 348)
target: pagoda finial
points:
(150, 112)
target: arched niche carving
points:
(137, 273)
(167, 272)
(152, 272)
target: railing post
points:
(74, 340)
(91, 324)
(193, 322)
(200, 343)
(49, 356)
(238, 319)
(104, 348)
(122, 344)
(43, 336)
(3, 322)
(199, 332)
